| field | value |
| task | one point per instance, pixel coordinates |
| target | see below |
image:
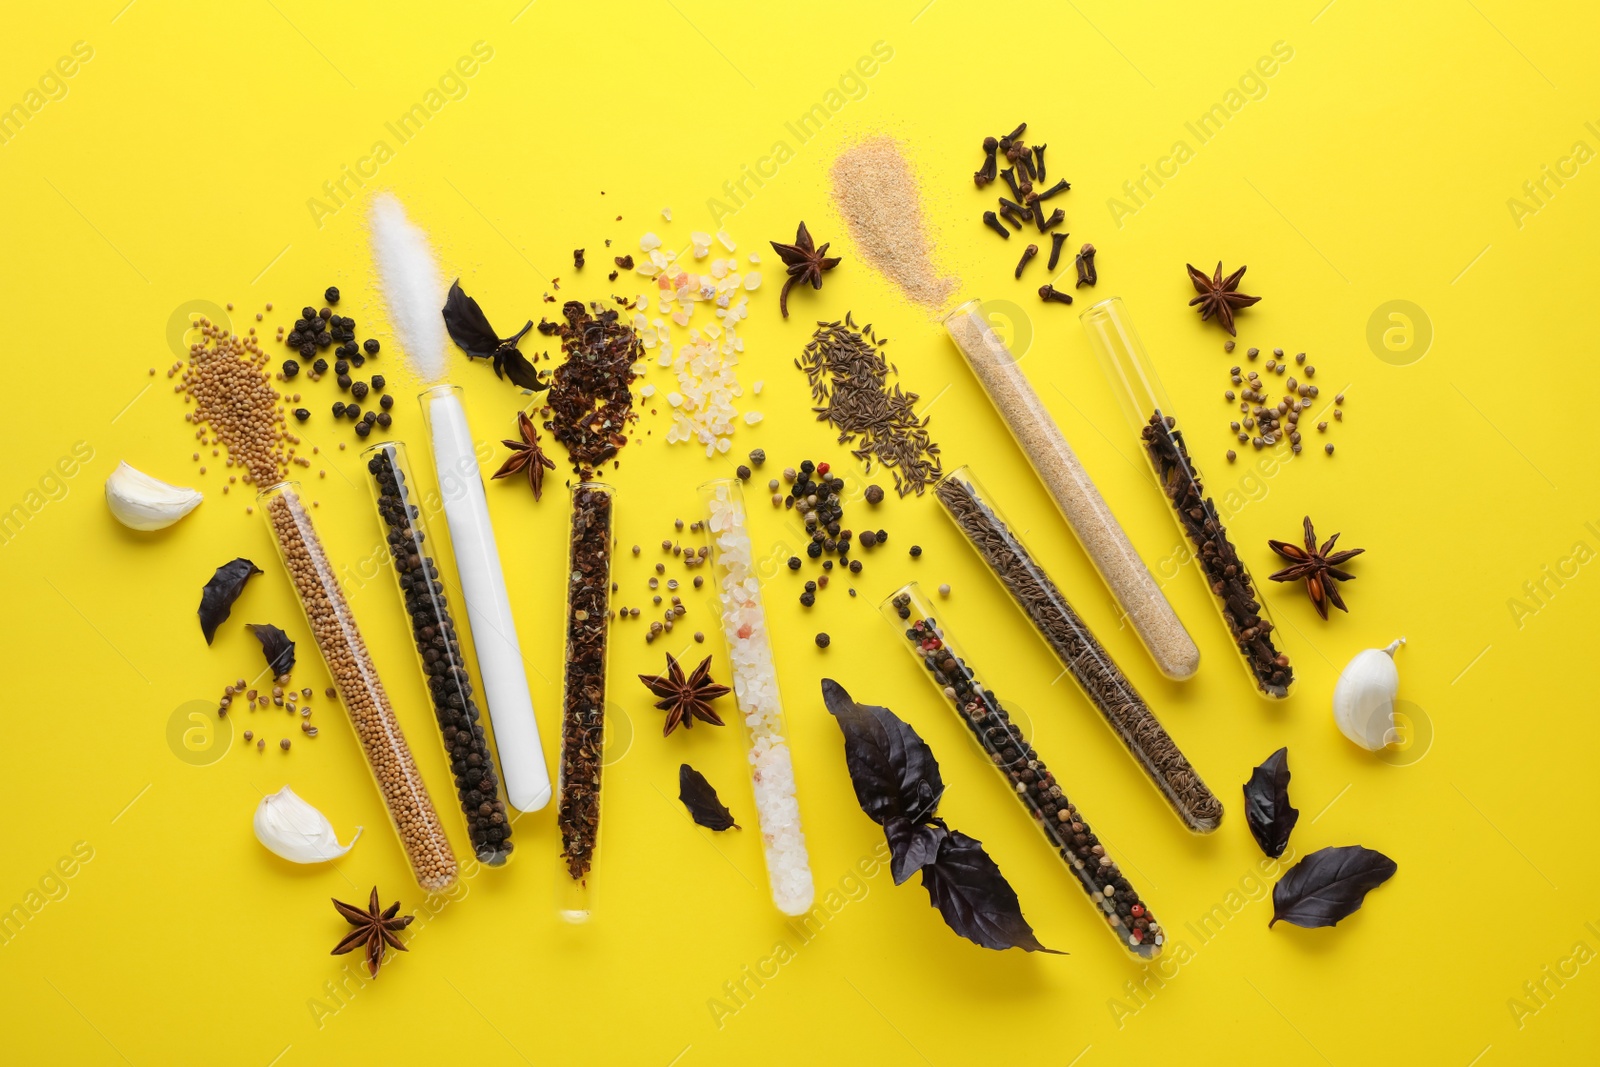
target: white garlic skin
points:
(1363, 698)
(289, 827)
(141, 502)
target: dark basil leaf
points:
(892, 769)
(1266, 804)
(275, 645)
(911, 846)
(974, 897)
(216, 599)
(701, 800)
(519, 369)
(1328, 885)
(468, 325)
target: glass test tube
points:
(1080, 503)
(755, 687)
(332, 625)
(1107, 688)
(444, 669)
(583, 695)
(1026, 776)
(1149, 411)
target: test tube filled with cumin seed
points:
(1080, 503)
(1123, 358)
(1007, 748)
(1107, 688)
(334, 629)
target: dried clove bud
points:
(1049, 293)
(985, 174)
(1085, 264)
(1056, 241)
(993, 222)
(1027, 254)
(1038, 162)
(1059, 187)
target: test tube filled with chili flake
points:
(1005, 746)
(1123, 358)
(583, 696)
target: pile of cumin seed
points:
(850, 383)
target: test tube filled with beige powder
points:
(993, 364)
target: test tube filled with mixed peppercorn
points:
(1122, 910)
(1144, 401)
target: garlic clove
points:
(141, 502)
(1363, 698)
(289, 827)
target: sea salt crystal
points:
(727, 242)
(649, 242)
(647, 391)
(674, 399)
(760, 383)
(666, 213)
(755, 257)
(752, 417)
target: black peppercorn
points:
(371, 345)
(309, 314)
(916, 550)
(338, 409)
(344, 381)
(808, 599)
(363, 428)
(308, 349)
(341, 367)
(794, 563)
(855, 566)
(386, 401)
(823, 640)
(320, 366)
(743, 472)
(352, 411)
(883, 537)
(332, 295)
(325, 314)
(814, 549)
(811, 587)
(806, 466)
(378, 383)
(359, 390)
(290, 368)
(384, 419)
(302, 414)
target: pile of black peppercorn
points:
(818, 494)
(316, 331)
(449, 687)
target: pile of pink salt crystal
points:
(702, 355)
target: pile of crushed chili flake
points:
(589, 403)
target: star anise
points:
(373, 928)
(1219, 296)
(806, 263)
(1318, 566)
(685, 699)
(526, 456)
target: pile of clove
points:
(1027, 205)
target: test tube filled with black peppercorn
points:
(583, 695)
(1144, 401)
(1101, 680)
(1034, 784)
(433, 628)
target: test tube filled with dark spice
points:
(1027, 777)
(339, 639)
(583, 695)
(444, 669)
(1107, 688)
(1149, 411)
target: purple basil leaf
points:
(911, 846)
(216, 599)
(974, 897)
(1328, 885)
(892, 769)
(275, 645)
(517, 367)
(468, 325)
(1266, 804)
(701, 800)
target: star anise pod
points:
(1318, 566)
(805, 261)
(685, 699)
(1219, 296)
(373, 928)
(526, 456)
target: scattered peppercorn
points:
(874, 494)
(386, 401)
(371, 346)
(378, 382)
(290, 368)
(794, 563)
(743, 472)
(808, 599)
(916, 550)
(359, 390)
(338, 409)
(855, 566)
(331, 295)
(823, 640)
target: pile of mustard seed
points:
(235, 405)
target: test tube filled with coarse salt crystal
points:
(583, 696)
(755, 687)
(1005, 746)
(1123, 358)
(1107, 546)
(483, 587)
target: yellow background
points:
(1376, 165)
